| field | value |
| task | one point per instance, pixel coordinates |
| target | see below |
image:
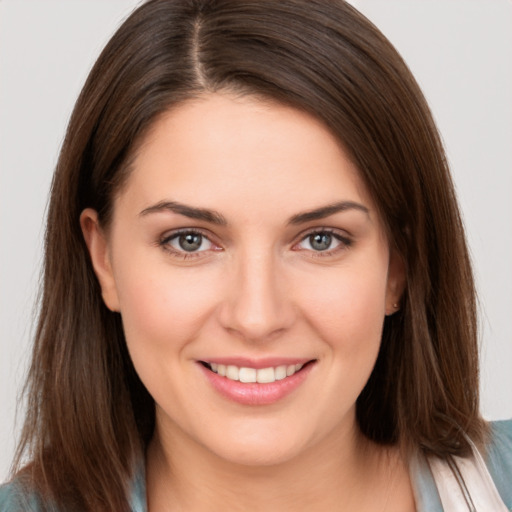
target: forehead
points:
(220, 150)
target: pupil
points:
(320, 241)
(190, 242)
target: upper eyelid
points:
(164, 242)
(168, 235)
(332, 231)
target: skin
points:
(256, 287)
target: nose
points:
(257, 306)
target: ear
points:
(395, 284)
(99, 252)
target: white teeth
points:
(280, 372)
(247, 375)
(232, 372)
(265, 375)
(251, 375)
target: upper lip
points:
(267, 362)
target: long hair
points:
(89, 417)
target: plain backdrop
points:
(459, 50)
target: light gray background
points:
(459, 50)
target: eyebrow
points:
(188, 211)
(326, 211)
(217, 218)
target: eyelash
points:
(345, 242)
(164, 242)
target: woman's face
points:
(244, 242)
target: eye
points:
(187, 243)
(190, 242)
(324, 241)
(320, 241)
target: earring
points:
(395, 308)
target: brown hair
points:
(89, 417)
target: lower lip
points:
(255, 393)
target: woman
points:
(257, 293)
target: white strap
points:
(465, 485)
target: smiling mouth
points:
(255, 375)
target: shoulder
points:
(15, 498)
(499, 457)
(501, 434)
(10, 497)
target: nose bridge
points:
(257, 306)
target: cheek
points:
(347, 308)
(162, 306)
(163, 312)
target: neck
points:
(347, 472)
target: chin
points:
(260, 446)
(258, 455)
